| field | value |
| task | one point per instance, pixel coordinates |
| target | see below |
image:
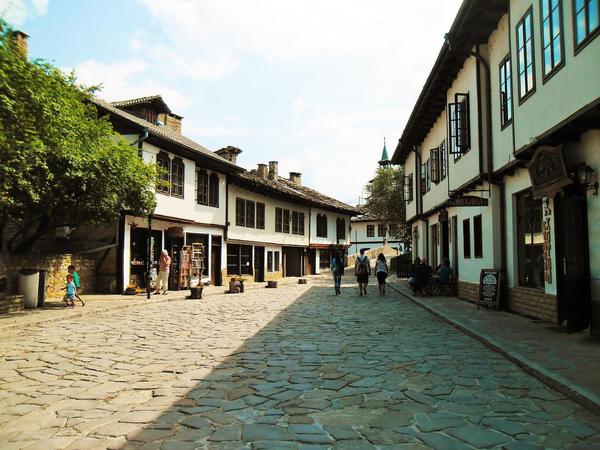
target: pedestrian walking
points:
(71, 291)
(381, 271)
(362, 270)
(76, 282)
(164, 264)
(337, 269)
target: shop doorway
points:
(145, 244)
(572, 256)
(216, 277)
(292, 260)
(454, 234)
(174, 244)
(311, 261)
(259, 264)
(445, 240)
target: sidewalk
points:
(569, 363)
(55, 310)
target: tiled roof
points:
(292, 190)
(164, 132)
(365, 216)
(140, 101)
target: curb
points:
(579, 394)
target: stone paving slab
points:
(246, 372)
(567, 363)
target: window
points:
(530, 240)
(276, 264)
(552, 46)
(381, 230)
(177, 177)
(393, 230)
(294, 222)
(423, 181)
(260, 216)
(269, 261)
(250, 211)
(239, 259)
(435, 243)
(321, 225)
(586, 21)
(286, 220)
(340, 229)
(164, 164)
(278, 220)
(434, 162)
(408, 188)
(525, 56)
(240, 212)
(324, 259)
(443, 161)
(202, 187)
(466, 238)
(301, 224)
(370, 230)
(460, 134)
(428, 175)
(478, 237)
(213, 192)
(246, 260)
(505, 92)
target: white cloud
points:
(127, 79)
(16, 12)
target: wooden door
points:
(259, 264)
(215, 261)
(573, 264)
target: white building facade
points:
(502, 153)
(369, 233)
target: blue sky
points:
(315, 85)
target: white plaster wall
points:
(186, 207)
(268, 235)
(570, 89)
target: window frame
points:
(213, 190)
(240, 212)
(443, 160)
(370, 230)
(301, 223)
(529, 16)
(521, 252)
(162, 158)
(278, 220)
(434, 165)
(556, 67)
(381, 230)
(340, 227)
(478, 237)
(250, 214)
(459, 125)
(295, 222)
(269, 260)
(177, 179)
(508, 104)
(202, 197)
(322, 225)
(408, 188)
(260, 215)
(590, 35)
(466, 238)
(286, 221)
(276, 260)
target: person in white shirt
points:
(381, 271)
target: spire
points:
(385, 160)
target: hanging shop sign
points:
(490, 286)
(547, 172)
(467, 200)
(547, 243)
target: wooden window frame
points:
(527, 58)
(286, 221)
(279, 220)
(240, 212)
(260, 215)
(370, 230)
(177, 178)
(213, 190)
(165, 177)
(434, 165)
(295, 222)
(340, 227)
(301, 224)
(276, 260)
(590, 34)
(554, 65)
(202, 187)
(443, 161)
(478, 236)
(408, 188)
(459, 129)
(250, 214)
(505, 91)
(381, 230)
(467, 238)
(270, 261)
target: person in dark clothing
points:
(411, 273)
(422, 273)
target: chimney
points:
(296, 177)
(262, 170)
(273, 170)
(21, 40)
(230, 153)
(172, 121)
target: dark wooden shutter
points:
(434, 159)
(462, 122)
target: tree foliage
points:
(385, 199)
(60, 165)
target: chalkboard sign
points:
(490, 285)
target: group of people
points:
(73, 285)
(421, 273)
(362, 271)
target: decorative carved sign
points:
(547, 172)
(490, 285)
(468, 200)
(547, 244)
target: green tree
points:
(385, 199)
(60, 165)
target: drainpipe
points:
(140, 140)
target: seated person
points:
(422, 274)
(411, 273)
(443, 273)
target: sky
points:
(313, 84)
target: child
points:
(75, 276)
(71, 291)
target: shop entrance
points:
(259, 264)
(445, 240)
(216, 277)
(572, 256)
(144, 242)
(173, 246)
(293, 261)
(454, 234)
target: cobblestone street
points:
(294, 367)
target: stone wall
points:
(56, 267)
(533, 303)
(468, 291)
